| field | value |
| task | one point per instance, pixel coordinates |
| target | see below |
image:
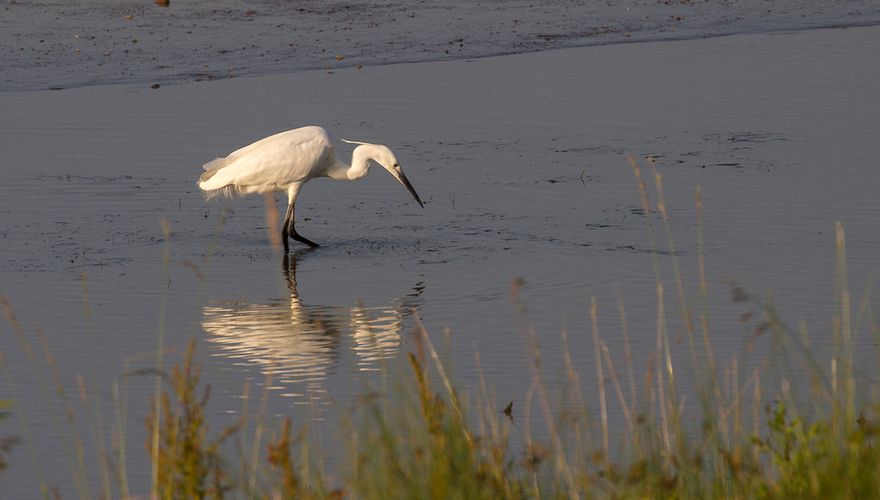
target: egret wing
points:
(275, 162)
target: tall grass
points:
(754, 431)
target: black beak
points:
(403, 180)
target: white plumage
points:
(287, 160)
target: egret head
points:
(383, 155)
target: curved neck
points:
(360, 165)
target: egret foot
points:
(301, 239)
(285, 233)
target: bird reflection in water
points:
(299, 344)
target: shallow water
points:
(521, 162)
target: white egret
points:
(287, 160)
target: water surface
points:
(522, 163)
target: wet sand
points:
(521, 162)
(50, 44)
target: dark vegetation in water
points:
(6, 442)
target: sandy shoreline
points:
(54, 45)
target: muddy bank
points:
(51, 45)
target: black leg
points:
(288, 221)
(290, 230)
